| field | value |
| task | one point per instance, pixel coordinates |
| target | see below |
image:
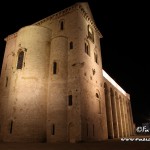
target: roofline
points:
(61, 13)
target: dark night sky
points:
(124, 26)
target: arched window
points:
(87, 49)
(96, 58)
(70, 100)
(71, 45)
(61, 25)
(54, 68)
(20, 60)
(97, 95)
(90, 33)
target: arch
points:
(105, 87)
(71, 133)
(111, 92)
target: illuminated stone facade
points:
(53, 88)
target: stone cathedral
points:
(53, 87)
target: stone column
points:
(109, 114)
(122, 117)
(126, 118)
(114, 114)
(119, 116)
(131, 118)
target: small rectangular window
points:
(61, 25)
(71, 45)
(11, 127)
(53, 129)
(6, 82)
(70, 100)
(54, 68)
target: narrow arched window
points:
(97, 95)
(96, 58)
(11, 127)
(20, 60)
(61, 25)
(87, 129)
(87, 50)
(54, 67)
(71, 45)
(90, 33)
(53, 129)
(70, 100)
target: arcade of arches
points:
(119, 113)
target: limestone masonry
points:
(53, 87)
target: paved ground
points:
(115, 144)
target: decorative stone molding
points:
(85, 15)
(56, 15)
(11, 36)
(61, 13)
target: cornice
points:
(57, 15)
(61, 13)
(89, 19)
(11, 36)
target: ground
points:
(115, 144)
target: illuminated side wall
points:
(93, 116)
(25, 114)
(118, 109)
